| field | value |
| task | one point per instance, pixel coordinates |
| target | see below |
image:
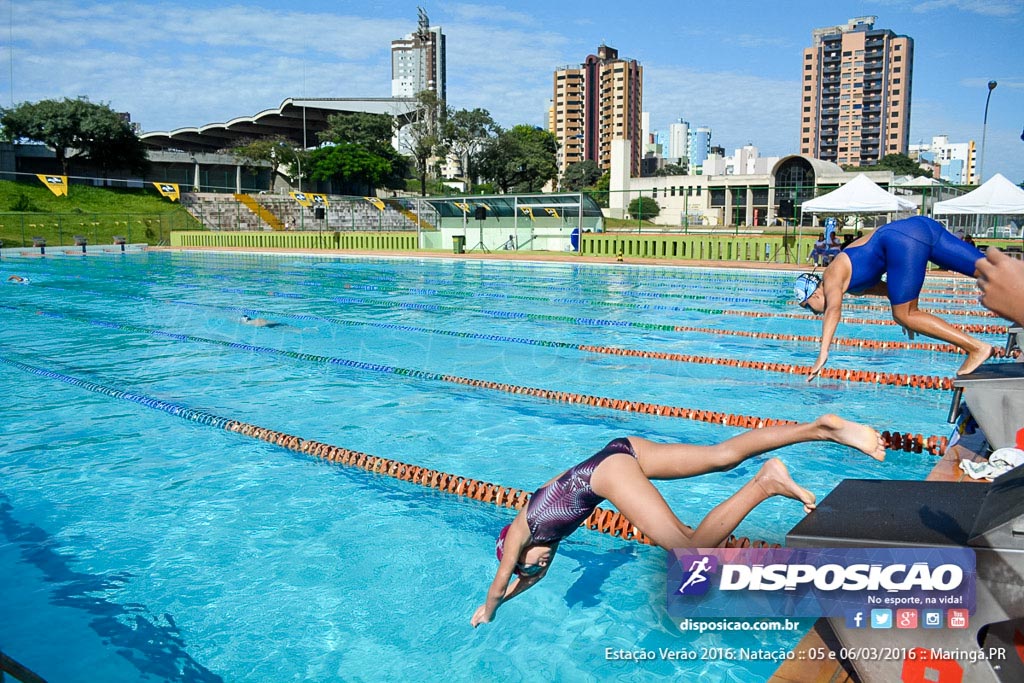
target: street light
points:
(984, 127)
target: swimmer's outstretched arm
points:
(834, 291)
(500, 589)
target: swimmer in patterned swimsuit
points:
(900, 250)
(621, 473)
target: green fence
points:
(763, 248)
(19, 229)
(368, 241)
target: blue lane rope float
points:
(897, 441)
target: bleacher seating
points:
(355, 214)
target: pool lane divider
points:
(609, 522)
(892, 440)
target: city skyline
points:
(735, 67)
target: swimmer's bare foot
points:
(975, 359)
(853, 434)
(774, 479)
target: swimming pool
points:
(146, 546)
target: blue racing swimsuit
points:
(558, 509)
(903, 249)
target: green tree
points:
(423, 139)
(580, 175)
(77, 128)
(521, 159)
(466, 133)
(671, 170)
(644, 208)
(899, 164)
(371, 131)
(600, 190)
(283, 156)
(350, 166)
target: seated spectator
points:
(818, 253)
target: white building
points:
(745, 161)
(678, 140)
(953, 162)
(418, 61)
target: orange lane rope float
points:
(603, 520)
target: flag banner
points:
(376, 202)
(816, 582)
(57, 184)
(169, 190)
(463, 205)
(302, 198)
(527, 210)
(319, 200)
(552, 212)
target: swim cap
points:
(806, 284)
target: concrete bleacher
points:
(355, 214)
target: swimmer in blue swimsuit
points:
(621, 473)
(900, 250)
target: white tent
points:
(997, 196)
(860, 195)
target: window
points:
(807, 88)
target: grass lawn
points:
(30, 210)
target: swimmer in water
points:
(621, 473)
(259, 322)
(900, 250)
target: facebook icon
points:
(855, 619)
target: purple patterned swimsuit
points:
(558, 509)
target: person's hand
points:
(480, 616)
(816, 368)
(1001, 281)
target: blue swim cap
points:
(806, 284)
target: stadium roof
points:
(299, 120)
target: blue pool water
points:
(138, 545)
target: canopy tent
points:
(860, 195)
(997, 196)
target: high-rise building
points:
(699, 145)
(856, 93)
(595, 103)
(678, 140)
(953, 162)
(418, 61)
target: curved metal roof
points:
(298, 120)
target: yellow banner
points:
(553, 212)
(308, 199)
(58, 184)
(376, 202)
(169, 190)
(528, 211)
(462, 205)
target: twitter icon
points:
(881, 618)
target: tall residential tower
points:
(856, 93)
(418, 61)
(594, 103)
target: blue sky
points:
(732, 65)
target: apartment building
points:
(418, 61)
(855, 105)
(595, 103)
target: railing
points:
(18, 671)
(18, 229)
(763, 248)
(363, 241)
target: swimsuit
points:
(902, 249)
(558, 509)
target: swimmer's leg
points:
(621, 481)
(911, 317)
(676, 461)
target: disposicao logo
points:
(698, 570)
(813, 582)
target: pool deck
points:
(798, 670)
